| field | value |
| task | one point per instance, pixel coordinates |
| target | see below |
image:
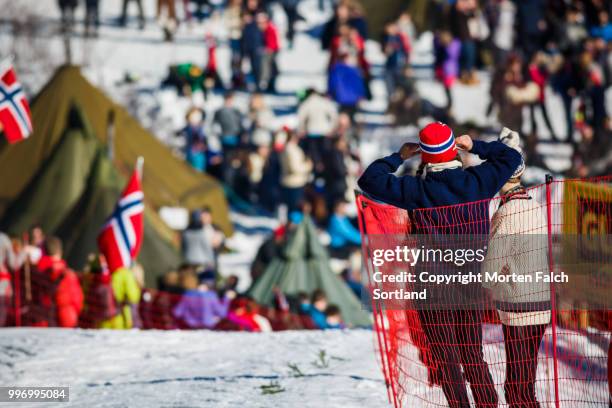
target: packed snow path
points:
(196, 368)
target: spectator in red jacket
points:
(211, 73)
(351, 45)
(62, 292)
(271, 47)
(68, 300)
(539, 74)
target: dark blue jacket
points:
(345, 85)
(447, 187)
(252, 39)
(528, 14)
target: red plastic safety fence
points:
(487, 343)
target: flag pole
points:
(110, 135)
(140, 166)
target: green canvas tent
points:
(73, 193)
(167, 180)
(304, 267)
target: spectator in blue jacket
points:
(345, 238)
(316, 308)
(346, 86)
(454, 335)
(531, 25)
(252, 45)
(195, 139)
(604, 29)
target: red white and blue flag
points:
(15, 117)
(122, 235)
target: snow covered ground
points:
(282, 369)
(196, 368)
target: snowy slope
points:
(228, 369)
(195, 368)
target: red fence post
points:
(553, 302)
(378, 325)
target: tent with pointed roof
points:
(167, 180)
(73, 193)
(303, 266)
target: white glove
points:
(510, 138)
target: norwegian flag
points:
(15, 117)
(122, 234)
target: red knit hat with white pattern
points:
(437, 143)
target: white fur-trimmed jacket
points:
(518, 244)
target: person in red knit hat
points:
(441, 171)
(437, 143)
(453, 332)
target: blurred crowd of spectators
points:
(535, 49)
(536, 52)
(38, 288)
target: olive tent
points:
(74, 192)
(303, 266)
(167, 180)
(425, 14)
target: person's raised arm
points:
(379, 182)
(501, 162)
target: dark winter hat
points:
(437, 143)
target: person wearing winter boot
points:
(524, 308)
(454, 335)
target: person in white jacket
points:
(518, 245)
(296, 170)
(317, 120)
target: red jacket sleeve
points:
(272, 41)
